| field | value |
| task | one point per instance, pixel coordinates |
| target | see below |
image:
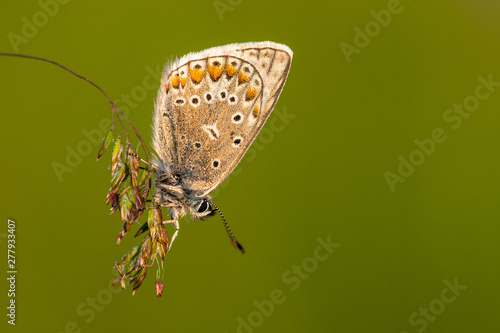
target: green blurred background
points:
(343, 121)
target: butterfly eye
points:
(203, 207)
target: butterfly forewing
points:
(210, 107)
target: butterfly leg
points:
(175, 224)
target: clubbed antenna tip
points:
(229, 232)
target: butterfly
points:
(210, 107)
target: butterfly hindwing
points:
(210, 107)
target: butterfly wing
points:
(210, 107)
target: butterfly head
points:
(181, 200)
(171, 193)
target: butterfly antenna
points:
(229, 232)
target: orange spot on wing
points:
(231, 70)
(196, 74)
(215, 71)
(242, 77)
(176, 81)
(255, 111)
(183, 81)
(251, 93)
(168, 87)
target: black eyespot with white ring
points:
(215, 163)
(209, 98)
(237, 117)
(237, 141)
(233, 99)
(195, 101)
